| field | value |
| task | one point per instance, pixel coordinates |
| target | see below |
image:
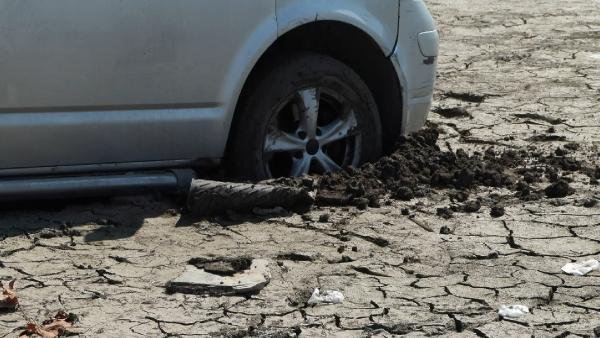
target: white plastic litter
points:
(327, 297)
(513, 311)
(581, 268)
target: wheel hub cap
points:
(312, 147)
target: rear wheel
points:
(310, 114)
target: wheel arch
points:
(348, 44)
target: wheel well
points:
(347, 44)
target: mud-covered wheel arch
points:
(349, 45)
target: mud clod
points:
(444, 213)
(471, 206)
(497, 211)
(559, 189)
(590, 202)
(445, 230)
(324, 218)
(403, 194)
(468, 97)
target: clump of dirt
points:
(418, 165)
(559, 189)
(497, 211)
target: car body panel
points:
(123, 80)
(378, 18)
(121, 84)
(416, 72)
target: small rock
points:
(347, 259)
(559, 189)
(497, 211)
(361, 203)
(459, 196)
(590, 202)
(445, 230)
(324, 218)
(308, 183)
(471, 206)
(306, 218)
(560, 152)
(405, 212)
(445, 213)
(403, 194)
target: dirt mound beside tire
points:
(418, 166)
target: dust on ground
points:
(518, 76)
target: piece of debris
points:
(9, 300)
(199, 281)
(513, 311)
(211, 197)
(559, 189)
(60, 325)
(222, 266)
(327, 297)
(581, 268)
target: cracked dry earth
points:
(108, 260)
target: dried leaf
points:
(9, 299)
(52, 328)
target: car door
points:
(116, 81)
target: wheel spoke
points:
(339, 129)
(279, 141)
(326, 162)
(301, 166)
(309, 111)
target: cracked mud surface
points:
(531, 69)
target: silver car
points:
(110, 94)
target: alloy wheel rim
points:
(313, 131)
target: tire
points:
(282, 106)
